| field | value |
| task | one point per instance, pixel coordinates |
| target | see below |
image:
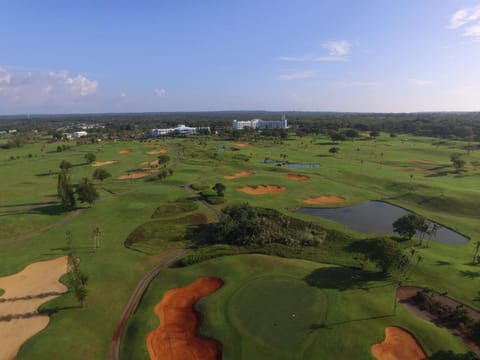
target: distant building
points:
(261, 124)
(79, 134)
(180, 130)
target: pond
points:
(377, 217)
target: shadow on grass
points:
(470, 274)
(342, 278)
(314, 327)
(442, 263)
(450, 355)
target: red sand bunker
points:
(125, 151)
(176, 338)
(261, 189)
(239, 175)
(153, 162)
(398, 345)
(326, 199)
(297, 177)
(156, 152)
(242, 144)
(136, 175)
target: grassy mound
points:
(175, 208)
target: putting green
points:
(278, 312)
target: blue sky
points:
(324, 55)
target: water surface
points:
(377, 217)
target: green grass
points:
(379, 170)
(175, 208)
(2, 292)
(251, 315)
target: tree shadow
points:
(442, 263)
(342, 278)
(450, 355)
(470, 274)
(53, 173)
(314, 326)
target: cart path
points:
(132, 304)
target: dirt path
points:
(53, 226)
(404, 293)
(171, 256)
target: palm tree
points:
(477, 247)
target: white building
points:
(261, 124)
(181, 130)
(79, 134)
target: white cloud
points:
(473, 31)
(458, 19)
(160, 92)
(297, 75)
(337, 51)
(27, 88)
(420, 82)
(337, 48)
(467, 17)
(123, 95)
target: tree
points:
(407, 225)
(65, 165)
(101, 174)
(65, 191)
(457, 162)
(77, 279)
(337, 136)
(87, 192)
(163, 159)
(386, 254)
(162, 174)
(477, 248)
(90, 157)
(220, 189)
(333, 150)
(374, 133)
(96, 234)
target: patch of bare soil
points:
(136, 175)
(156, 152)
(101, 163)
(176, 338)
(326, 199)
(242, 144)
(297, 177)
(262, 189)
(125, 151)
(24, 293)
(239, 175)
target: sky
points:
(190, 55)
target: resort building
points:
(180, 130)
(79, 134)
(261, 124)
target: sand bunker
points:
(24, 293)
(136, 175)
(398, 345)
(323, 200)
(176, 337)
(101, 163)
(242, 144)
(125, 151)
(153, 145)
(261, 189)
(297, 177)
(156, 152)
(149, 163)
(239, 175)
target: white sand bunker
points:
(24, 293)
